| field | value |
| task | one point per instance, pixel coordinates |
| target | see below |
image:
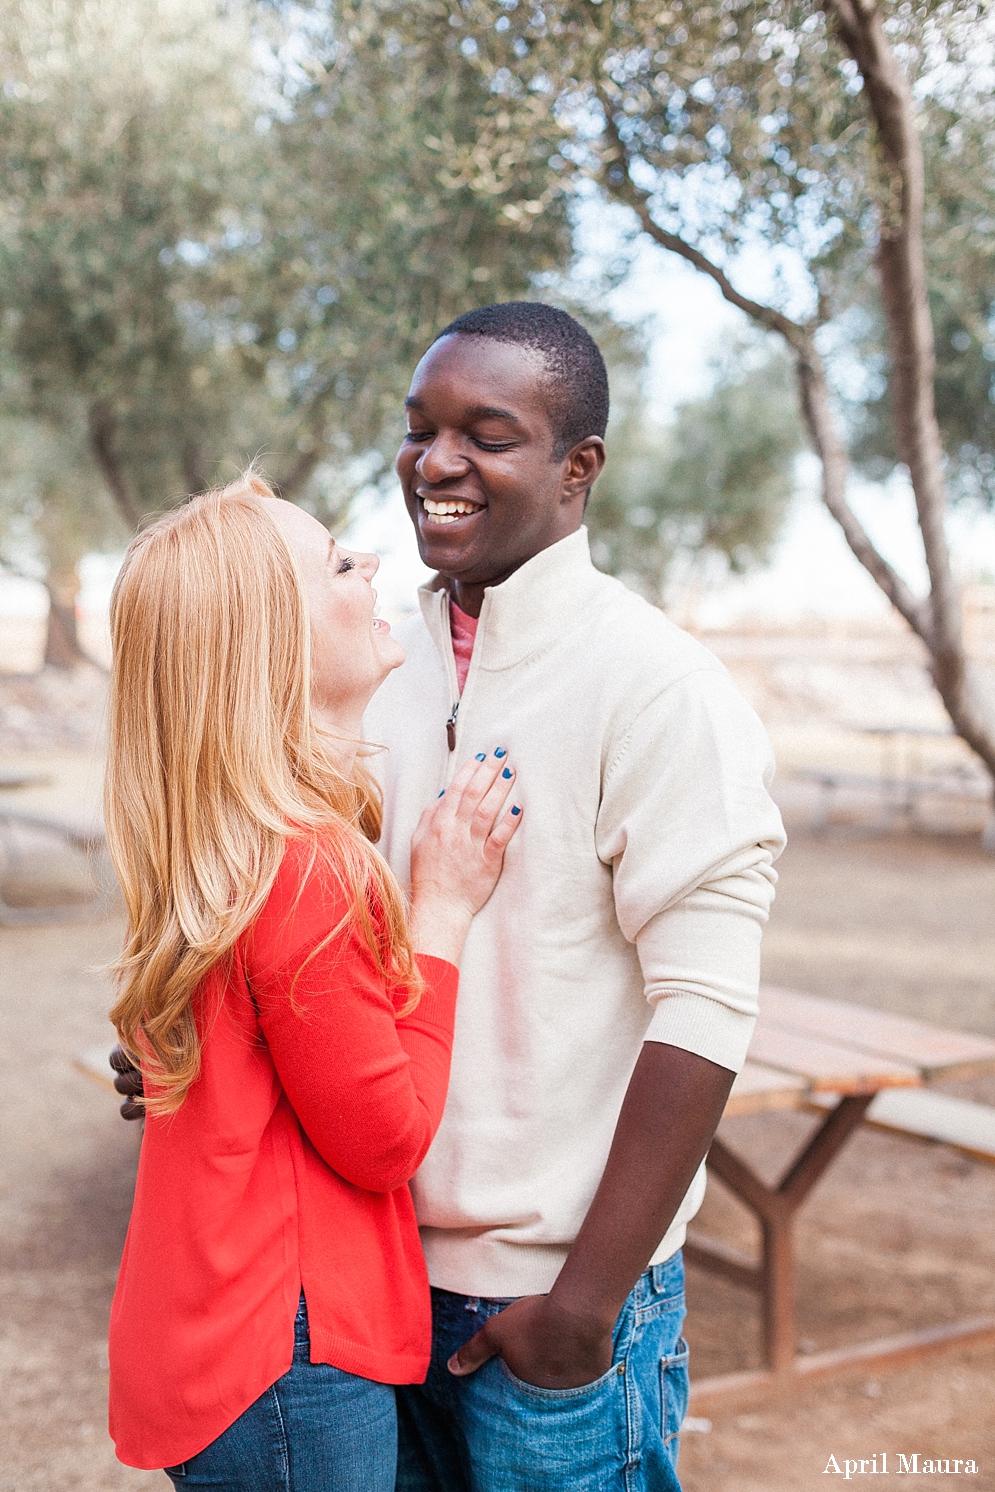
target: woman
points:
(293, 1025)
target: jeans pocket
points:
(674, 1392)
(565, 1395)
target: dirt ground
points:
(67, 1167)
(898, 1235)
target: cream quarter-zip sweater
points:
(630, 908)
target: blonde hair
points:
(214, 760)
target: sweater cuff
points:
(705, 1027)
(438, 1000)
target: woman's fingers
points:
(505, 827)
(458, 848)
(492, 804)
(472, 784)
(479, 782)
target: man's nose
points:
(441, 461)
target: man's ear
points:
(582, 466)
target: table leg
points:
(775, 1207)
(773, 1278)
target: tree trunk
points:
(62, 646)
(936, 619)
(904, 297)
(102, 423)
(301, 472)
(194, 471)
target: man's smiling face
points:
(480, 479)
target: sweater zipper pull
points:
(451, 728)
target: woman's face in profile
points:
(352, 651)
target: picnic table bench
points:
(903, 782)
(79, 834)
(900, 797)
(840, 1060)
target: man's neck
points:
(469, 595)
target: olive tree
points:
(223, 235)
(807, 128)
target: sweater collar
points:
(528, 611)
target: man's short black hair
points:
(575, 369)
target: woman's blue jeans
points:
(317, 1429)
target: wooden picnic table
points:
(806, 1053)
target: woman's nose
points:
(366, 564)
(440, 461)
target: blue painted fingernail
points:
(515, 812)
(506, 772)
(481, 756)
(443, 793)
(500, 752)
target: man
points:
(608, 988)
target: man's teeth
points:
(448, 512)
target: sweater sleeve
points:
(691, 832)
(368, 1088)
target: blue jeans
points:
(317, 1429)
(490, 1432)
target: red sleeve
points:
(368, 1089)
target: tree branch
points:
(816, 404)
(636, 198)
(835, 460)
(102, 424)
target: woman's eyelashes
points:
(346, 564)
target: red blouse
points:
(286, 1167)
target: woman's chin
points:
(390, 651)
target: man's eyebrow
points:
(492, 412)
(475, 412)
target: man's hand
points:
(129, 1082)
(563, 1340)
(541, 1344)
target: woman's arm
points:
(368, 1090)
(341, 1055)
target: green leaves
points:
(222, 234)
(717, 482)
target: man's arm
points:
(690, 832)
(564, 1339)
